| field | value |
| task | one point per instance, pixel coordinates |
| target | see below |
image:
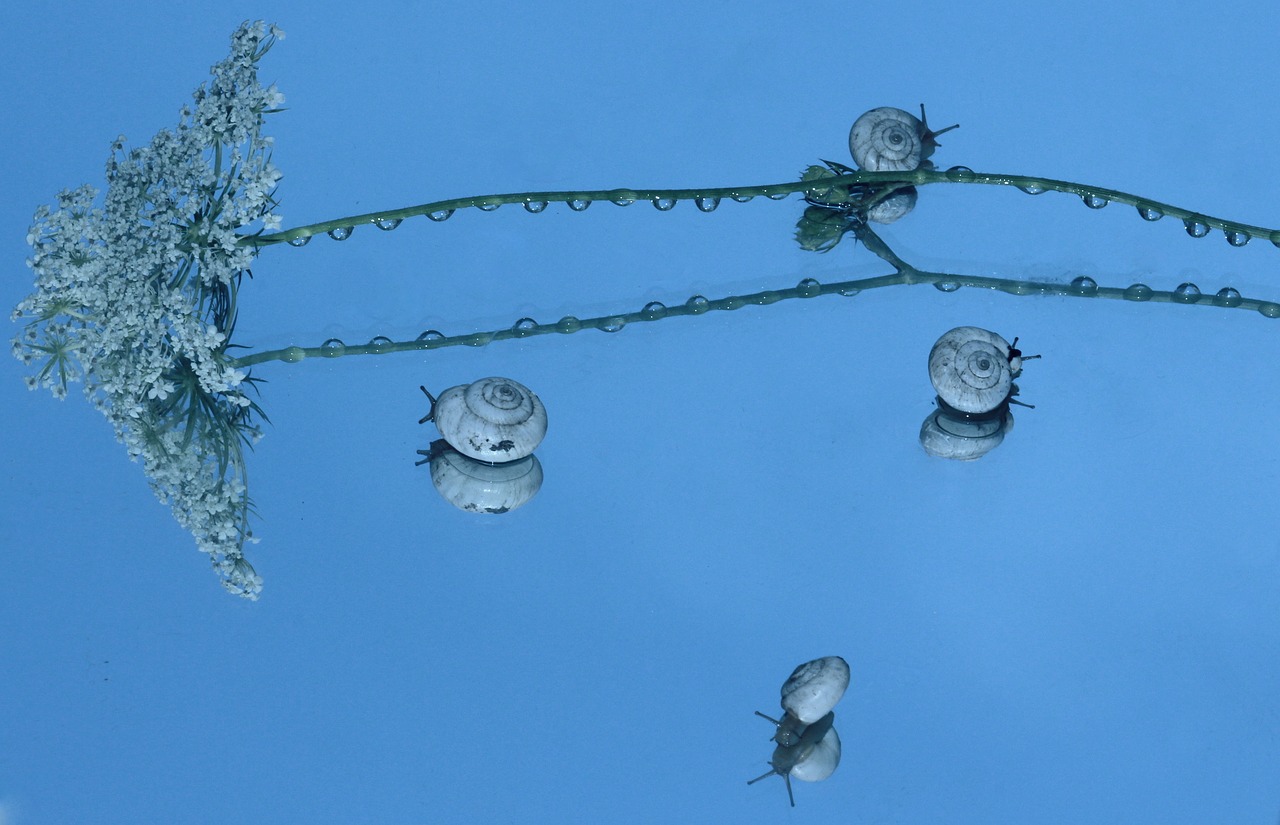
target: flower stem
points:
(698, 305)
(664, 198)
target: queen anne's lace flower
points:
(137, 296)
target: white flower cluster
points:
(137, 297)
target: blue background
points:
(1079, 627)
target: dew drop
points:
(654, 310)
(947, 286)
(341, 233)
(568, 324)
(535, 206)
(386, 224)
(768, 297)
(624, 199)
(524, 326)
(1149, 213)
(960, 174)
(1228, 297)
(1236, 237)
(698, 304)
(778, 196)
(614, 324)
(1196, 228)
(706, 204)
(293, 355)
(1187, 293)
(809, 288)
(1034, 189)
(1094, 201)
(1084, 285)
(487, 207)
(748, 198)
(578, 204)
(733, 302)
(850, 291)
(479, 339)
(1269, 309)
(378, 342)
(1138, 292)
(440, 215)
(431, 335)
(333, 348)
(663, 204)
(303, 241)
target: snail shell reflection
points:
(813, 758)
(893, 207)
(963, 439)
(481, 487)
(493, 419)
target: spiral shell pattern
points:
(887, 140)
(493, 419)
(969, 369)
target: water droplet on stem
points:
(1084, 285)
(1228, 297)
(1138, 292)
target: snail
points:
(891, 140)
(492, 420)
(480, 487)
(972, 370)
(808, 746)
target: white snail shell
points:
(480, 487)
(493, 419)
(887, 140)
(971, 370)
(814, 687)
(893, 207)
(820, 762)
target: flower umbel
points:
(137, 296)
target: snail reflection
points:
(964, 437)
(484, 462)
(808, 746)
(972, 371)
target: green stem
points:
(708, 197)
(698, 305)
